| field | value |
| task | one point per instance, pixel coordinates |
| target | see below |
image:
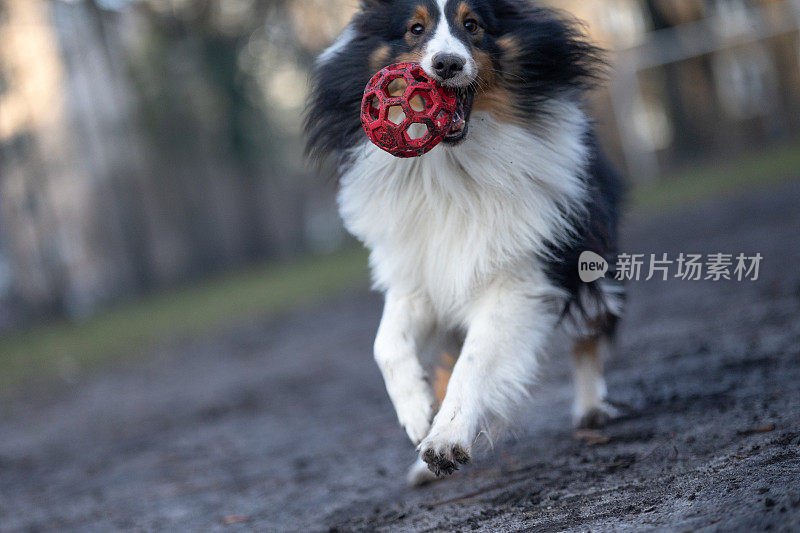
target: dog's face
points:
(454, 41)
(441, 35)
(503, 57)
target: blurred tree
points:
(197, 110)
(689, 142)
(150, 141)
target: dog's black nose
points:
(447, 66)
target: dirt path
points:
(284, 424)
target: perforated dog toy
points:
(405, 112)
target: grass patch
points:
(770, 166)
(43, 350)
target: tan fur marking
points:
(586, 353)
(511, 52)
(380, 58)
(494, 95)
(486, 71)
(499, 102)
(509, 43)
(590, 408)
(420, 16)
(587, 346)
(463, 11)
(443, 372)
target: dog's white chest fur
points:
(451, 222)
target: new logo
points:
(591, 267)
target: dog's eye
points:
(417, 29)
(471, 25)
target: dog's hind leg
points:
(590, 408)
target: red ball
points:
(405, 112)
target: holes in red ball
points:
(442, 118)
(374, 108)
(396, 87)
(404, 112)
(417, 131)
(395, 114)
(418, 102)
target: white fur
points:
(444, 42)
(449, 223)
(454, 238)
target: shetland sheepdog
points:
(479, 239)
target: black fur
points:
(597, 231)
(555, 57)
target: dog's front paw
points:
(596, 416)
(415, 413)
(445, 460)
(443, 451)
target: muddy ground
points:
(283, 424)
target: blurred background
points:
(152, 180)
